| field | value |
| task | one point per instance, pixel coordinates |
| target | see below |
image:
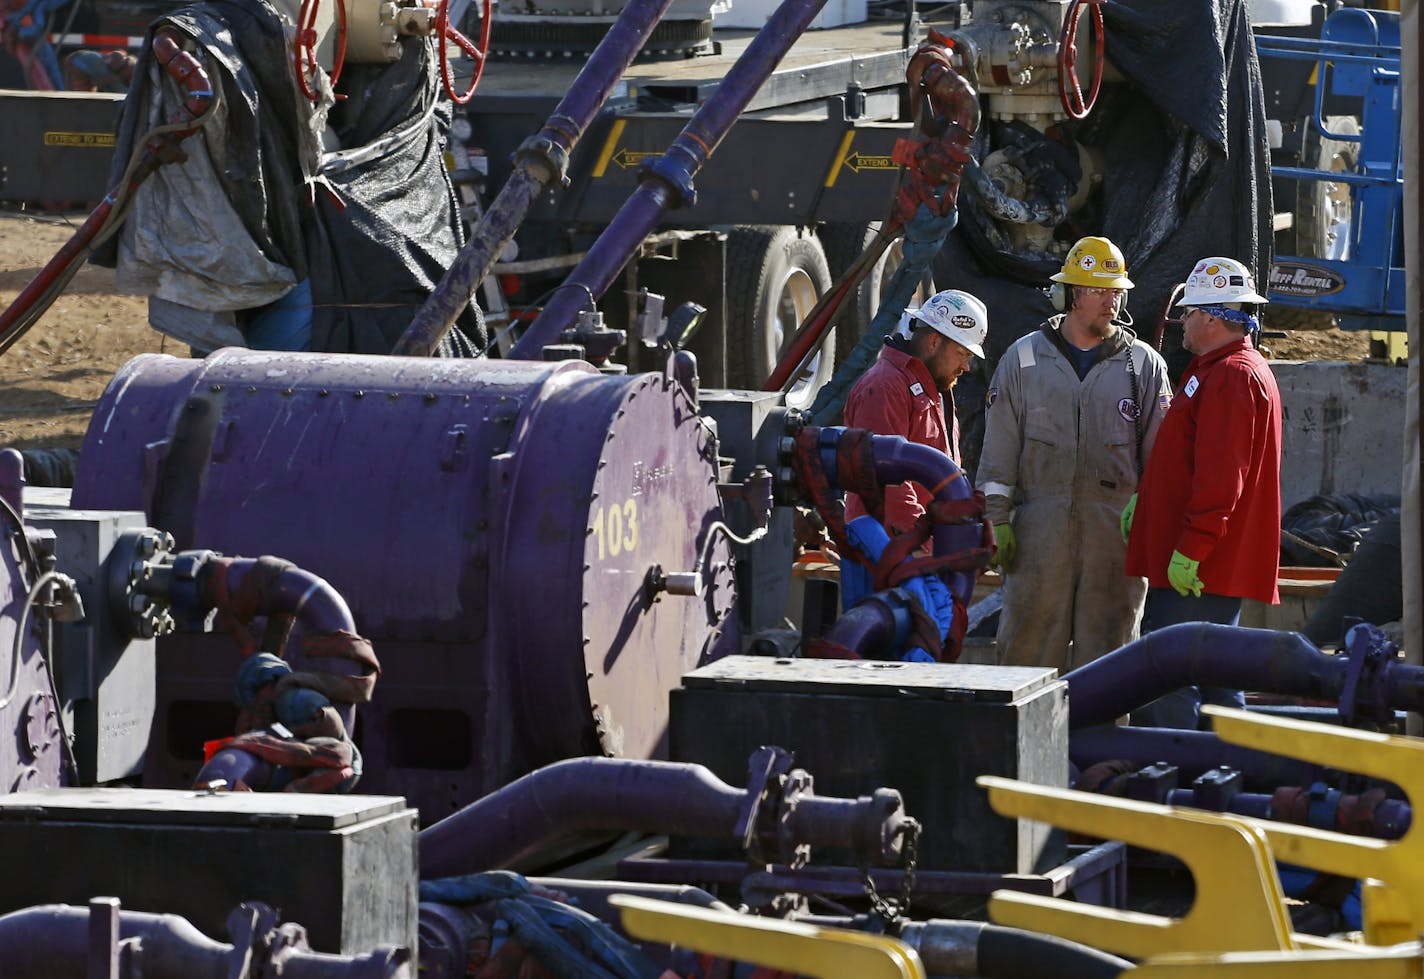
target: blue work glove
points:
(1003, 558)
(1125, 521)
(1182, 573)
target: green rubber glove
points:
(1125, 521)
(1182, 573)
(1008, 547)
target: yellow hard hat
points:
(1094, 261)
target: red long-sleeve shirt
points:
(897, 396)
(1212, 488)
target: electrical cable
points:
(27, 549)
(43, 580)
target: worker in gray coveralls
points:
(1073, 409)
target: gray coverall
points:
(1061, 458)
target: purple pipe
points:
(1192, 752)
(1392, 817)
(667, 183)
(234, 765)
(1254, 804)
(56, 941)
(897, 460)
(865, 629)
(614, 794)
(539, 161)
(308, 598)
(1224, 656)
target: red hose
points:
(933, 167)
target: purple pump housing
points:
(497, 528)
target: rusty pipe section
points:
(60, 941)
(612, 794)
(188, 73)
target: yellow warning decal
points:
(856, 162)
(612, 153)
(609, 145)
(79, 139)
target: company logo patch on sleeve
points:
(991, 397)
(917, 389)
(1191, 386)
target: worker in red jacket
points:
(906, 391)
(1205, 525)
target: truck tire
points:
(1322, 215)
(775, 275)
(845, 242)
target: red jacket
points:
(896, 396)
(1212, 487)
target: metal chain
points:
(886, 910)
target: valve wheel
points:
(445, 34)
(1074, 103)
(304, 47)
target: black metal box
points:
(55, 147)
(343, 866)
(927, 730)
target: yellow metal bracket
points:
(806, 950)
(1394, 899)
(1239, 905)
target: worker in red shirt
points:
(905, 392)
(1205, 526)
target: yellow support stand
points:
(807, 950)
(1394, 899)
(1239, 905)
(1403, 962)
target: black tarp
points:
(373, 258)
(1187, 175)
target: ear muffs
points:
(1058, 296)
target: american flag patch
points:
(1163, 402)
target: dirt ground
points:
(51, 379)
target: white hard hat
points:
(957, 315)
(1218, 281)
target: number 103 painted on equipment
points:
(616, 528)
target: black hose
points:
(1012, 953)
